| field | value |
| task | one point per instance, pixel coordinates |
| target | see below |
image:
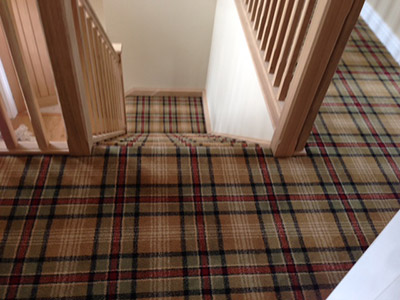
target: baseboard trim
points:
(382, 31)
(154, 92)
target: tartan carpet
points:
(165, 115)
(175, 216)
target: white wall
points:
(6, 94)
(384, 20)
(376, 275)
(98, 6)
(389, 10)
(166, 44)
(235, 98)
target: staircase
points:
(295, 50)
(162, 122)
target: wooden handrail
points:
(59, 29)
(92, 15)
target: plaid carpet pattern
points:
(169, 216)
(176, 140)
(165, 115)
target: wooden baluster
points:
(273, 35)
(288, 43)
(101, 81)
(263, 18)
(9, 26)
(104, 75)
(118, 50)
(258, 14)
(254, 10)
(96, 76)
(80, 32)
(109, 86)
(58, 22)
(97, 71)
(112, 91)
(89, 54)
(94, 95)
(118, 95)
(282, 32)
(117, 100)
(325, 29)
(104, 81)
(268, 24)
(294, 53)
(250, 7)
(6, 128)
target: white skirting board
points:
(382, 30)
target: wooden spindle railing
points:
(87, 75)
(96, 67)
(296, 46)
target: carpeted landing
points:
(174, 215)
(165, 115)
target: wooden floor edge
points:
(261, 142)
(155, 92)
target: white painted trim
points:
(382, 30)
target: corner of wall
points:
(382, 30)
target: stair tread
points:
(175, 140)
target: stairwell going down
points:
(169, 121)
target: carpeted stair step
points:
(175, 140)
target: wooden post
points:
(325, 29)
(9, 25)
(60, 31)
(330, 71)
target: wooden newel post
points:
(329, 31)
(60, 31)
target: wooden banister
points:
(296, 46)
(330, 71)
(312, 62)
(58, 23)
(80, 49)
